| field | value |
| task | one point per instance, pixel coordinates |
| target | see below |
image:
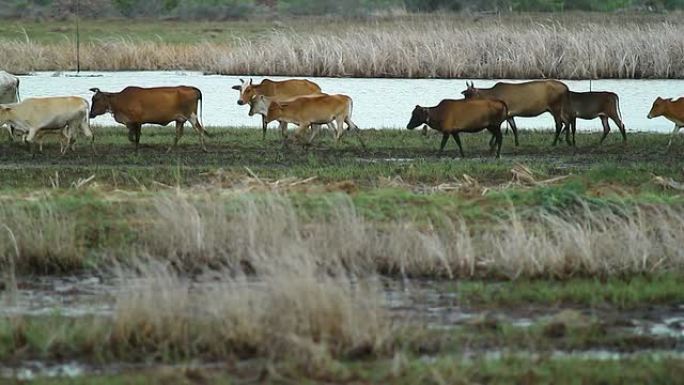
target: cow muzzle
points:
(240, 103)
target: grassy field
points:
(263, 261)
(569, 46)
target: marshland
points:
(375, 259)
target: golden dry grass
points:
(580, 46)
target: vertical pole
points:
(78, 37)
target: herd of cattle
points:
(302, 102)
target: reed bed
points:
(262, 234)
(568, 48)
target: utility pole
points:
(78, 37)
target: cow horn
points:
(96, 90)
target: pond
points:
(378, 103)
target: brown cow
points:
(135, 106)
(672, 110)
(592, 105)
(306, 111)
(275, 91)
(451, 117)
(526, 100)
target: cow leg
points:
(179, 133)
(606, 128)
(445, 138)
(498, 135)
(492, 142)
(339, 122)
(315, 129)
(674, 132)
(559, 127)
(621, 126)
(573, 127)
(283, 129)
(200, 130)
(514, 128)
(458, 141)
(263, 127)
(134, 134)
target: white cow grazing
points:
(37, 116)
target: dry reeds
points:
(264, 234)
(568, 48)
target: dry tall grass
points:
(265, 234)
(567, 47)
(289, 314)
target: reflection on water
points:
(378, 103)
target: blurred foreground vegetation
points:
(241, 9)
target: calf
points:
(305, 111)
(275, 91)
(672, 110)
(592, 105)
(452, 117)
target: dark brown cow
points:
(135, 106)
(451, 117)
(592, 105)
(527, 99)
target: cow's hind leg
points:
(458, 141)
(514, 128)
(606, 128)
(674, 132)
(445, 138)
(498, 138)
(179, 134)
(621, 125)
(200, 130)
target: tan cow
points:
(305, 111)
(275, 91)
(35, 116)
(452, 117)
(135, 106)
(527, 99)
(672, 110)
(592, 105)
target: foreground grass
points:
(521, 46)
(506, 371)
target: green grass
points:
(622, 293)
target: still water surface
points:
(378, 103)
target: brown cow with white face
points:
(527, 99)
(135, 106)
(275, 91)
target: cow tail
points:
(16, 91)
(200, 107)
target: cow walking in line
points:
(135, 106)
(275, 91)
(592, 105)
(451, 117)
(36, 117)
(308, 111)
(672, 110)
(527, 99)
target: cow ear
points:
(236, 88)
(95, 90)
(242, 81)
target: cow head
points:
(658, 108)
(418, 117)
(247, 91)
(99, 104)
(258, 104)
(470, 92)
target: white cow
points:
(9, 91)
(35, 117)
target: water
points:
(378, 103)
